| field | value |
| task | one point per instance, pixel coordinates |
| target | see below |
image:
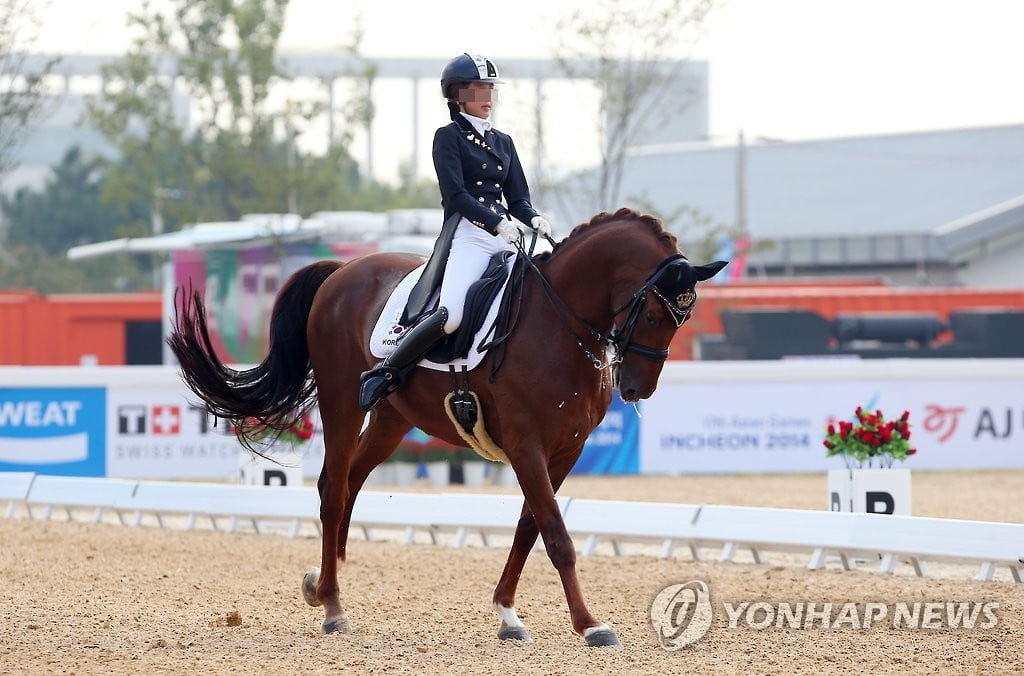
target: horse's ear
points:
(709, 270)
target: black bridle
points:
(620, 339)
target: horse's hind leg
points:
(345, 470)
(376, 443)
(504, 598)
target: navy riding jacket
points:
(474, 173)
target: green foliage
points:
(67, 211)
(31, 267)
(199, 139)
(405, 452)
(438, 453)
(241, 155)
(23, 99)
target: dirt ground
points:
(98, 599)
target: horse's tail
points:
(265, 400)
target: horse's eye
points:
(651, 319)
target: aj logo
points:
(681, 614)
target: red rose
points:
(831, 430)
(911, 451)
(829, 444)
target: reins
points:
(620, 340)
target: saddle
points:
(481, 317)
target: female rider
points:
(476, 166)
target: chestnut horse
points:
(599, 313)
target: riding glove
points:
(541, 225)
(507, 231)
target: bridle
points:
(620, 339)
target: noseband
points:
(678, 301)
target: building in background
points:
(940, 208)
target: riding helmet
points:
(467, 67)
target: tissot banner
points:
(157, 433)
(779, 427)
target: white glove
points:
(541, 225)
(507, 231)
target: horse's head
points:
(622, 278)
(648, 319)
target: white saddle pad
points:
(383, 338)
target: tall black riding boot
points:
(387, 376)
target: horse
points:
(598, 312)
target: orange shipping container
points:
(71, 329)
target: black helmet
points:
(468, 67)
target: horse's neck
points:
(583, 278)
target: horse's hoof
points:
(309, 581)
(338, 625)
(601, 636)
(507, 633)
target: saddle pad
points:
(382, 338)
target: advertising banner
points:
(740, 426)
(155, 433)
(612, 447)
(53, 430)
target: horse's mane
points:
(623, 214)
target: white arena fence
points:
(847, 536)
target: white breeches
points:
(472, 248)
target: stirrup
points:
(378, 383)
(382, 370)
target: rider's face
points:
(476, 98)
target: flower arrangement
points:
(872, 439)
(299, 432)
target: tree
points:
(217, 55)
(239, 153)
(68, 210)
(23, 97)
(635, 51)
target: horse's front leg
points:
(512, 628)
(540, 498)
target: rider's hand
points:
(507, 231)
(541, 225)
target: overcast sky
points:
(779, 68)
